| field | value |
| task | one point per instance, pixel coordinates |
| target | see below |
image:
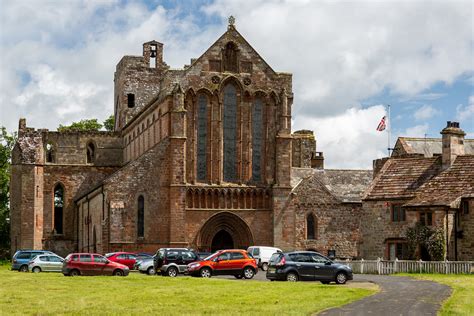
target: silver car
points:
(46, 263)
(146, 266)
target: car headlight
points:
(193, 265)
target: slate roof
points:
(346, 185)
(427, 146)
(448, 187)
(399, 178)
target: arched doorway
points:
(224, 230)
(222, 240)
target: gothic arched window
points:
(202, 138)
(90, 153)
(311, 227)
(230, 57)
(58, 208)
(230, 132)
(257, 140)
(50, 152)
(141, 217)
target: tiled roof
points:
(427, 146)
(346, 185)
(448, 187)
(401, 177)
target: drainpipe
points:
(88, 225)
(447, 234)
(456, 236)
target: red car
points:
(125, 258)
(92, 264)
(234, 262)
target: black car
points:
(172, 261)
(308, 266)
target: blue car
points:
(21, 258)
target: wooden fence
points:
(408, 266)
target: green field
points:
(461, 301)
(53, 293)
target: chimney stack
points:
(453, 143)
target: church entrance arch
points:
(224, 230)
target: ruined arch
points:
(231, 224)
(90, 152)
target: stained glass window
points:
(257, 140)
(230, 132)
(202, 138)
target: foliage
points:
(106, 295)
(421, 235)
(82, 125)
(7, 141)
(461, 301)
(109, 123)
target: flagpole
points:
(389, 129)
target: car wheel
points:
(150, 271)
(74, 273)
(264, 266)
(172, 272)
(292, 277)
(325, 282)
(36, 270)
(341, 278)
(205, 273)
(238, 276)
(118, 273)
(248, 273)
(23, 268)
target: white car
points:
(146, 266)
(46, 263)
(262, 254)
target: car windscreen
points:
(210, 257)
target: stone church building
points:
(200, 157)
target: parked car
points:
(92, 264)
(46, 263)
(262, 254)
(307, 265)
(172, 261)
(234, 262)
(21, 258)
(146, 266)
(125, 258)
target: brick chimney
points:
(453, 143)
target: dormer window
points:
(90, 153)
(131, 100)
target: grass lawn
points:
(53, 293)
(461, 301)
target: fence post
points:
(395, 264)
(419, 265)
(446, 266)
(378, 265)
(362, 266)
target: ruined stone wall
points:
(91, 217)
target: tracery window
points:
(141, 217)
(58, 208)
(230, 132)
(202, 138)
(257, 140)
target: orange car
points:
(234, 262)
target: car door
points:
(187, 258)
(323, 269)
(56, 263)
(100, 265)
(304, 265)
(222, 264)
(238, 261)
(43, 262)
(86, 266)
(131, 259)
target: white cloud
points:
(465, 114)
(350, 139)
(416, 131)
(425, 112)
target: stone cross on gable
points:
(231, 20)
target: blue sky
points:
(348, 59)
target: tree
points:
(7, 141)
(109, 123)
(82, 125)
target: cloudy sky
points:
(348, 59)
